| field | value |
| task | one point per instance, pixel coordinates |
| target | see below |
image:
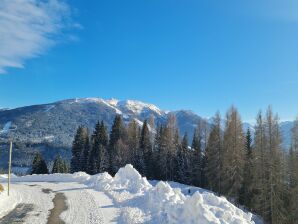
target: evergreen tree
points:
(233, 155)
(65, 167)
(78, 147)
(117, 147)
(197, 157)
(146, 148)
(183, 166)
(98, 160)
(133, 136)
(84, 159)
(59, 165)
(247, 185)
(39, 165)
(214, 157)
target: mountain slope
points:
(50, 128)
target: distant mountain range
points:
(50, 128)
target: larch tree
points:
(293, 175)
(269, 184)
(233, 155)
(277, 213)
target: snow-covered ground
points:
(125, 198)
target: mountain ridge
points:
(51, 127)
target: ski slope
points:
(125, 198)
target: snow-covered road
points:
(83, 205)
(126, 198)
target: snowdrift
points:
(141, 202)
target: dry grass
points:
(1, 188)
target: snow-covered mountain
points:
(50, 128)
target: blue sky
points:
(202, 55)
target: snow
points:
(138, 107)
(130, 198)
(6, 128)
(49, 107)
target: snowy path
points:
(83, 205)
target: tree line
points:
(39, 165)
(252, 171)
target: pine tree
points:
(98, 156)
(78, 147)
(247, 185)
(59, 165)
(183, 165)
(65, 167)
(214, 157)
(39, 165)
(146, 148)
(197, 157)
(233, 155)
(133, 135)
(118, 148)
(84, 158)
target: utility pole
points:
(9, 168)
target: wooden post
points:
(9, 168)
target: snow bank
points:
(141, 202)
(80, 177)
(5, 176)
(130, 179)
(8, 203)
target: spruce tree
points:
(183, 165)
(197, 158)
(117, 146)
(99, 160)
(84, 158)
(77, 149)
(39, 165)
(59, 165)
(146, 148)
(246, 192)
(133, 136)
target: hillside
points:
(50, 128)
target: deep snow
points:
(135, 200)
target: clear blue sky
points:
(202, 55)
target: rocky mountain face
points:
(50, 128)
